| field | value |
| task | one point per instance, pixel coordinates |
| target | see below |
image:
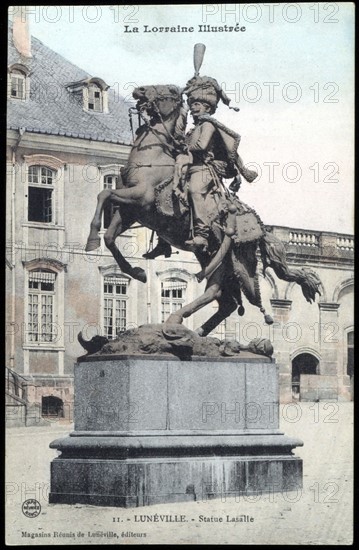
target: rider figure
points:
(210, 155)
(214, 153)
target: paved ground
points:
(321, 514)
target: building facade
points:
(68, 136)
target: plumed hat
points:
(207, 90)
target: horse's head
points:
(161, 99)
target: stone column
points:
(281, 313)
(329, 342)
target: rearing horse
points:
(145, 195)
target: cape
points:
(229, 138)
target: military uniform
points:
(201, 144)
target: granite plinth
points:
(150, 431)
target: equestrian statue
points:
(173, 183)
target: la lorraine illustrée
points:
(182, 29)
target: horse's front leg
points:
(116, 227)
(226, 306)
(141, 195)
(213, 292)
(93, 240)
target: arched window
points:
(110, 181)
(40, 193)
(172, 296)
(18, 81)
(115, 308)
(52, 406)
(41, 314)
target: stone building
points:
(68, 136)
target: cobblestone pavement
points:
(321, 513)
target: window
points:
(92, 92)
(18, 81)
(52, 406)
(115, 306)
(17, 89)
(95, 98)
(172, 297)
(350, 346)
(109, 182)
(40, 191)
(41, 293)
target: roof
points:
(52, 109)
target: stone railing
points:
(299, 238)
(345, 243)
(315, 243)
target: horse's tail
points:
(274, 255)
(244, 263)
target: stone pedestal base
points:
(142, 482)
(150, 431)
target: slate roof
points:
(52, 109)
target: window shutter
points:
(42, 277)
(174, 285)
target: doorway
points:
(305, 363)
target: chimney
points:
(20, 31)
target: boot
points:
(162, 249)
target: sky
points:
(290, 71)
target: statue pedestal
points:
(151, 430)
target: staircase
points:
(15, 399)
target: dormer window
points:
(92, 92)
(95, 98)
(18, 82)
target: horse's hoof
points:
(139, 274)
(268, 320)
(92, 244)
(174, 319)
(240, 310)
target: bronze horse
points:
(146, 195)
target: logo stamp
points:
(31, 508)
